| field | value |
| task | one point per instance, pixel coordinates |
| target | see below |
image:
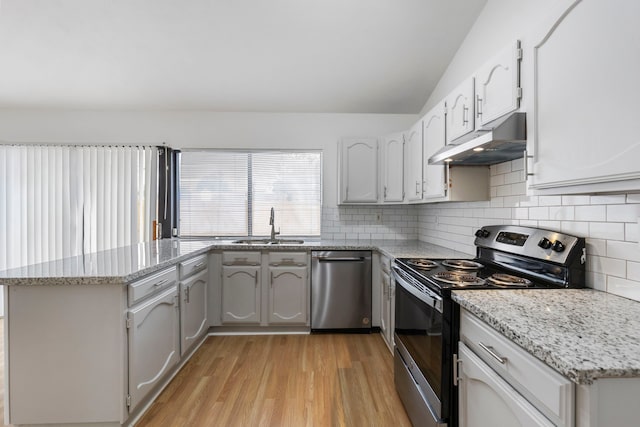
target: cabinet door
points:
(584, 138)
(485, 399)
(393, 168)
(385, 319)
(240, 294)
(193, 309)
(497, 91)
(434, 138)
(413, 140)
(153, 343)
(460, 111)
(288, 301)
(359, 171)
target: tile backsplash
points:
(370, 223)
(608, 222)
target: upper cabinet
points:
(461, 110)
(393, 168)
(413, 170)
(497, 86)
(585, 85)
(358, 170)
(434, 138)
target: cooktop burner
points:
(423, 264)
(508, 280)
(459, 278)
(462, 264)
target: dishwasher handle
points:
(343, 259)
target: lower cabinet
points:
(387, 302)
(154, 346)
(240, 294)
(193, 310)
(288, 301)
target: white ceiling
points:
(339, 56)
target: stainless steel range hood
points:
(504, 140)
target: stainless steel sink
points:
(269, 242)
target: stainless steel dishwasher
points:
(341, 290)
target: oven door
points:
(420, 338)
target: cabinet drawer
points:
(193, 265)
(385, 264)
(241, 258)
(550, 391)
(143, 288)
(287, 258)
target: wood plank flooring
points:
(283, 380)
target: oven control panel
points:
(532, 242)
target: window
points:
(231, 193)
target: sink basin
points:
(269, 242)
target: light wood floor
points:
(278, 380)
(283, 380)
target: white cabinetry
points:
(240, 294)
(413, 169)
(460, 110)
(585, 84)
(503, 385)
(358, 170)
(434, 138)
(288, 285)
(393, 168)
(497, 85)
(153, 343)
(193, 301)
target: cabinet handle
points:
(161, 282)
(198, 265)
(489, 350)
(417, 187)
(478, 106)
(526, 164)
(456, 368)
(256, 278)
(465, 119)
(385, 191)
(186, 294)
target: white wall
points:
(184, 129)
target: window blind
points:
(226, 193)
(61, 201)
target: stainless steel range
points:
(426, 323)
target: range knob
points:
(558, 246)
(482, 233)
(545, 243)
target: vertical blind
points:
(61, 201)
(225, 193)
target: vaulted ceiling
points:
(338, 56)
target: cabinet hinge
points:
(519, 93)
(128, 320)
(128, 400)
(519, 53)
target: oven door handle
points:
(427, 296)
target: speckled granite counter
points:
(122, 265)
(582, 333)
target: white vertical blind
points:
(61, 201)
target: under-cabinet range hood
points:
(505, 139)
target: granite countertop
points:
(123, 265)
(582, 333)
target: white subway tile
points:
(631, 232)
(596, 247)
(562, 213)
(528, 223)
(608, 199)
(608, 266)
(623, 287)
(623, 250)
(497, 202)
(597, 281)
(633, 271)
(512, 177)
(633, 198)
(521, 213)
(590, 213)
(517, 164)
(519, 188)
(503, 167)
(550, 200)
(364, 236)
(549, 225)
(496, 180)
(623, 213)
(575, 200)
(580, 229)
(503, 190)
(606, 230)
(529, 201)
(512, 201)
(541, 213)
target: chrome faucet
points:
(273, 228)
